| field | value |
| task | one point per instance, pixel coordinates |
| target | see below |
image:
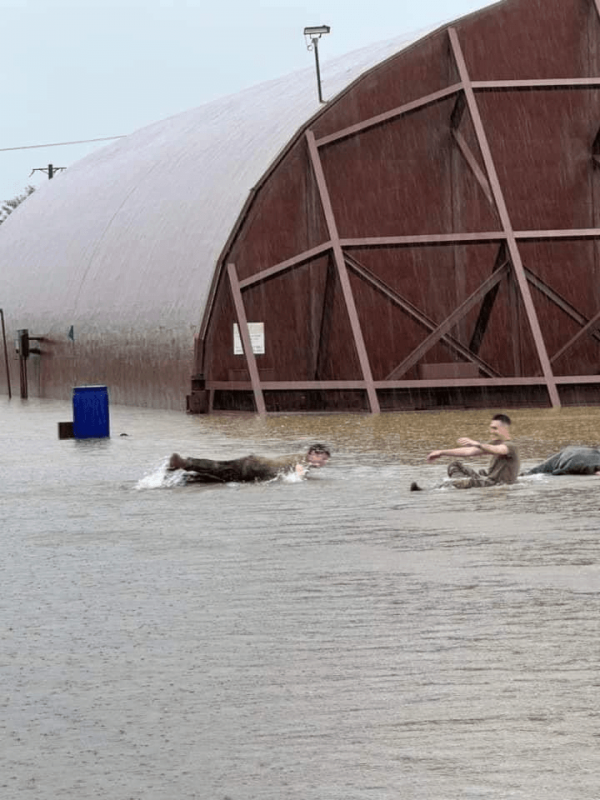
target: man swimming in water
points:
(575, 460)
(250, 468)
(504, 465)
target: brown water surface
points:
(337, 638)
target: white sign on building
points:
(256, 331)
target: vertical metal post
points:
(23, 377)
(316, 47)
(245, 337)
(5, 354)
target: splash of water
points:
(291, 477)
(162, 478)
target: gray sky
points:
(84, 69)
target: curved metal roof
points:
(129, 236)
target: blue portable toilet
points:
(90, 412)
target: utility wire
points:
(60, 144)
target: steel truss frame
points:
(508, 266)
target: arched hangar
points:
(426, 238)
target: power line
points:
(60, 144)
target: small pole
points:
(312, 34)
(23, 377)
(5, 354)
(316, 46)
(50, 170)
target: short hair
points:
(319, 448)
(503, 418)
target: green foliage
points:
(9, 205)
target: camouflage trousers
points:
(467, 478)
(205, 470)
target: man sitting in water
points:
(576, 460)
(504, 465)
(250, 468)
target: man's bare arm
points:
(484, 448)
(456, 452)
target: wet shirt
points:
(505, 469)
(268, 468)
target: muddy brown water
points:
(337, 638)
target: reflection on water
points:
(336, 637)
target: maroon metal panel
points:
(487, 305)
(401, 183)
(566, 269)
(414, 178)
(544, 162)
(413, 74)
(413, 312)
(343, 275)
(588, 330)
(278, 269)
(379, 119)
(394, 329)
(506, 223)
(558, 301)
(529, 40)
(448, 323)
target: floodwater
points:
(335, 638)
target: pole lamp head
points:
(313, 33)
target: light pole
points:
(313, 34)
(49, 170)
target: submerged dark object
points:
(573, 460)
(65, 430)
